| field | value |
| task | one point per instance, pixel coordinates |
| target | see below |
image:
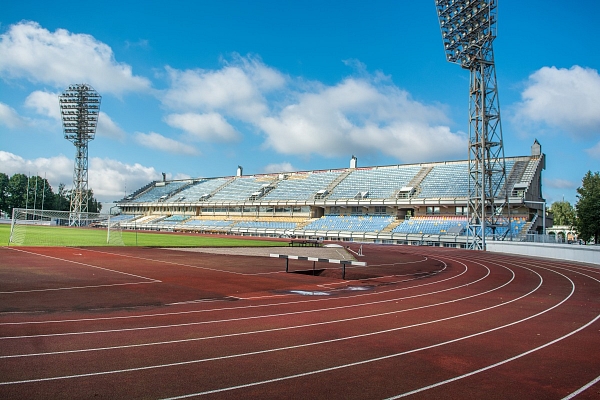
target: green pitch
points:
(64, 236)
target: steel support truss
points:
(468, 30)
(79, 107)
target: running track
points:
(431, 323)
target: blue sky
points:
(196, 88)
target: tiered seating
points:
(301, 186)
(198, 189)
(381, 183)
(265, 224)
(174, 219)
(435, 225)
(517, 224)
(122, 218)
(451, 180)
(206, 224)
(350, 223)
(160, 191)
(443, 225)
(240, 189)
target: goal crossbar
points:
(35, 227)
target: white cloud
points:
(109, 179)
(594, 152)
(61, 58)
(10, 117)
(362, 116)
(108, 128)
(44, 103)
(211, 127)
(281, 167)
(568, 99)
(237, 90)
(56, 170)
(157, 141)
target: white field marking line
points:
(233, 308)
(394, 264)
(243, 386)
(518, 355)
(77, 287)
(144, 328)
(174, 263)
(175, 364)
(379, 278)
(87, 265)
(282, 328)
(582, 389)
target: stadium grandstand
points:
(395, 204)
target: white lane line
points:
(582, 389)
(144, 328)
(363, 362)
(236, 308)
(517, 356)
(172, 263)
(269, 330)
(85, 264)
(78, 287)
(301, 346)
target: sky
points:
(197, 88)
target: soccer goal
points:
(31, 227)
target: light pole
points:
(468, 29)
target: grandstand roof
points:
(390, 184)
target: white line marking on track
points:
(582, 389)
(291, 327)
(244, 318)
(393, 355)
(85, 264)
(233, 308)
(304, 345)
(76, 287)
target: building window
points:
(433, 210)
(356, 210)
(461, 210)
(380, 210)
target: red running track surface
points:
(419, 322)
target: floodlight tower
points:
(79, 108)
(468, 30)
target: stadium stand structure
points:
(422, 203)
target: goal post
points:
(33, 227)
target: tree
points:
(61, 199)
(564, 213)
(17, 192)
(3, 191)
(588, 207)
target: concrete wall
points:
(570, 252)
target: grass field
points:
(65, 236)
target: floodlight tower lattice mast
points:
(79, 108)
(468, 30)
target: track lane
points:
(370, 358)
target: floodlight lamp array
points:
(468, 28)
(79, 108)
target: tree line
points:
(35, 192)
(585, 215)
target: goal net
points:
(61, 228)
